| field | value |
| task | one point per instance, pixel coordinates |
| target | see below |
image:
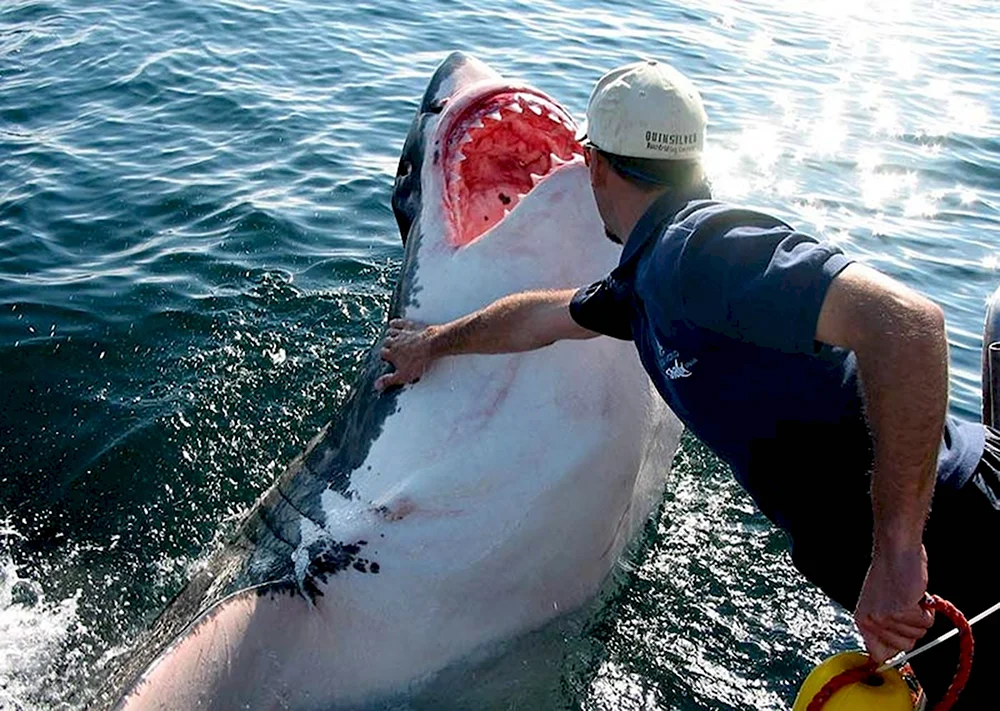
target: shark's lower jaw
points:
(496, 150)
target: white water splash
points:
(33, 633)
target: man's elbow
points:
(936, 317)
(909, 321)
(865, 310)
(925, 318)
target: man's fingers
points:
(881, 652)
(388, 380)
(909, 624)
(881, 648)
(908, 631)
(404, 324)
(915, 617)
(885, 642)
(404, 349)
(902, 642)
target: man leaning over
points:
(820, 381)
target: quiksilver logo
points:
(670, 141)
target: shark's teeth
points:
(515, 107)
(535, 109)
(494, 116)
(465, 139)
(535, 178)
(476, 124)
(554, 117)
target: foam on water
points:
(34, 632)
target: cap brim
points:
(581, 131)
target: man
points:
(822, 382)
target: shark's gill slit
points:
(497, 151)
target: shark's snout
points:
(477, 146)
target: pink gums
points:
(496, 151)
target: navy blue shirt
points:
(722, 304)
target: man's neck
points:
(630, 206)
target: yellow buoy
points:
(885, 691)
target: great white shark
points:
(429, 523)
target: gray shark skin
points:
(429, 523)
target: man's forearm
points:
(904, 373)
(519, 322)
(899, 339)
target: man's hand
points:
(408, 348)
(889, 614)
(512, 324)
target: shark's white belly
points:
(504, 487)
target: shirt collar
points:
(664, 208)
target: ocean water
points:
(197, 250)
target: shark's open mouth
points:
(496, 149)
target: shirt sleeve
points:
(603, 307)
(760, 285)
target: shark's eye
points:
(404, 169)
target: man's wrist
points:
(898, 538)
(900, 500)
(435, 338)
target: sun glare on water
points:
(883, 100)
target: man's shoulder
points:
(703, 227)
(721, 226)
(718, 216)
(700, 221)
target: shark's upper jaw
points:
(497, 141)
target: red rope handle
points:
(966, 647)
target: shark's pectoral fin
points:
(230, 650)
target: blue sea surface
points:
(197, 251)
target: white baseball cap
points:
(646, 110)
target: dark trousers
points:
(963, 526)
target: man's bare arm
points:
(901, 345)
(519, 322)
